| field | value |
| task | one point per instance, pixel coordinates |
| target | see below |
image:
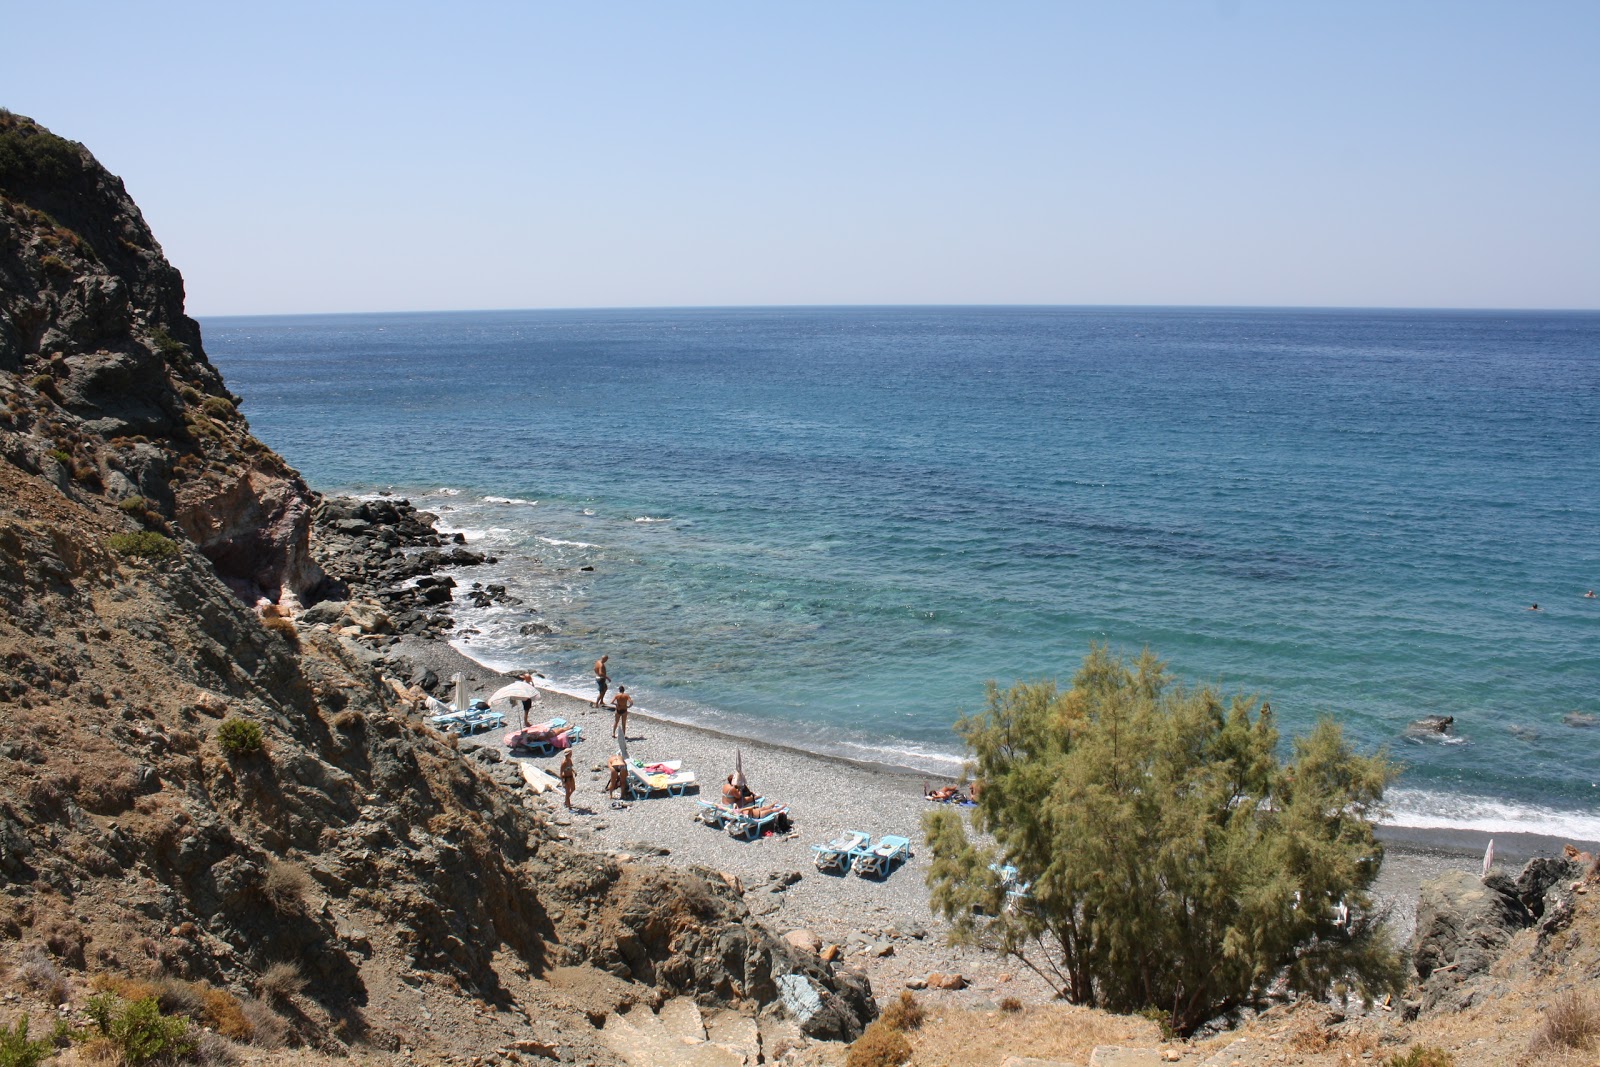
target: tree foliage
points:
(1170, 860)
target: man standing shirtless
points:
(621, 702)
(601, 679)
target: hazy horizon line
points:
(868, 306)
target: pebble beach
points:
(884, 928)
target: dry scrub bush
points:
(222, 1012)
(881, 1045)
(903, 1014)
(1571, 1021)
(212, 1050)
(40, 974)
(268, 1029)
(1010, 1005)
(284, 886)
(281, 981)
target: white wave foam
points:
(650, 518)
(508, 500)
(1424, 810)
(572, 544)
(447, 491)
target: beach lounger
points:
(523, 742)
(473, 720)
(1016, 892)
(716, 812)
(879, 860)
(742, 825)
(664, 776)
(836, 855)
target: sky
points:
(341, 157)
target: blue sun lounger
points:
(878, 861)
(835, 856)
(479, 716)
(743, 825)
(1016, 892)
(714, 813)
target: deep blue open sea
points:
(830, 526)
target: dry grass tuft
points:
(268, 1029)
(41, 974)
(903, 1014)
(1572, 1021)
(222, 1012)
(881, 1045)
(1010, 1005)
(281, 981)
(285, 887)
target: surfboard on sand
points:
(538, 781)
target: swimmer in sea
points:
(1533, 607)
(1589, 595)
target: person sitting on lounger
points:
(736, 793)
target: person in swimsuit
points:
(568, 776)
(601, 680)
(620, 703)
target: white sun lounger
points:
(670, 779)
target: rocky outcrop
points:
(108, 392)
(384, 553)
(1465, 923)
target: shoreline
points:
(827, 793)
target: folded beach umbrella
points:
(738, 768)
(461, 690)
(515, 691)
(622, 746)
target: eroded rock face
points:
(108, 390)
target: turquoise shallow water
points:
(831, 526)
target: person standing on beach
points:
(527, 702)
(602, 680)
(621, 703)
(568, 776)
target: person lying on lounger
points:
(760, 812)
(945, 793)
(533, 735)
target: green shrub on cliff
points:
(137, 1029)
(145, 544)
(31, 154)
(1164, 857)
(240, 737)
(16, 1050)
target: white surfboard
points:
(537, 780)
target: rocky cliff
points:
(349, 880)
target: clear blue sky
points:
(409, 156)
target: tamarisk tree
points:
(1164, 858)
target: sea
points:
(832, 527)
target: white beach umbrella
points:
(738, 768)
(515, 691)
(1488, 858)
(622, 746)
(461, 690)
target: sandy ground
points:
(824, 795)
